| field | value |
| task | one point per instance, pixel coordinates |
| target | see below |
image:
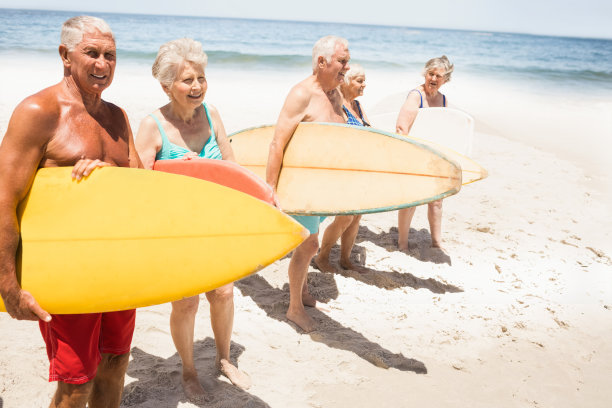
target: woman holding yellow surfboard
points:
(437, 72)
(187, 127)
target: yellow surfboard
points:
(126, 238)
(331, 169)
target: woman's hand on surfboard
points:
(84, 167)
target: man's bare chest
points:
(325, 109)
(81, 136)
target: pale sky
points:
(584, 18)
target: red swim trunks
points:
(75, 342)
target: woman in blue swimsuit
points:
(345, 227)
(437, 72)
(186, 127)
(353, 86)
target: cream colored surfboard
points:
(447, 130)
(125, 238)
(470, 170)
(333, 169)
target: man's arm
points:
(21, 151)
(292, 113)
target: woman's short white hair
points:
(354, 71)
(74, 28)
(173, 54)
(326, 47)
(440, 62)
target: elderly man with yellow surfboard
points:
(69, 124)
(315, 99)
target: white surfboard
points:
(448, 127)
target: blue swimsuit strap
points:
(344, 108)
(359, 109)
(421, 96)
(361, 114)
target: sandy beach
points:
(516, 313)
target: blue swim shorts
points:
(310, 222)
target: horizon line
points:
(320, 22)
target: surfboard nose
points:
(304, 233)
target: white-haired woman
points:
(345, 227)
(188, 127)
(437, 72)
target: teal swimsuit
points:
(171, 151)
(310, 222)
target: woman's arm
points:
(222, 141)
(148, 142)
(407, 114)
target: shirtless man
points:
(63, 125)
(315, 99)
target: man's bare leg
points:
(71, 395)
(222, 321)
(434, 215)
(404, 219)
(330, 236)
(307, 298)
(298, 290)
(108, 383)
(347, 241)
(182, 324)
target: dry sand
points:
(517, 313)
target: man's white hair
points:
(74, 28)
(326, 47)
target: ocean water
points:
(535, 61)
(552, 93)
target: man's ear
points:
(321, 62)
(63, 52)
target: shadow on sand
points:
(158, 380)
(331, 333)
(386, 279)
(419, 244)
(390, 279)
